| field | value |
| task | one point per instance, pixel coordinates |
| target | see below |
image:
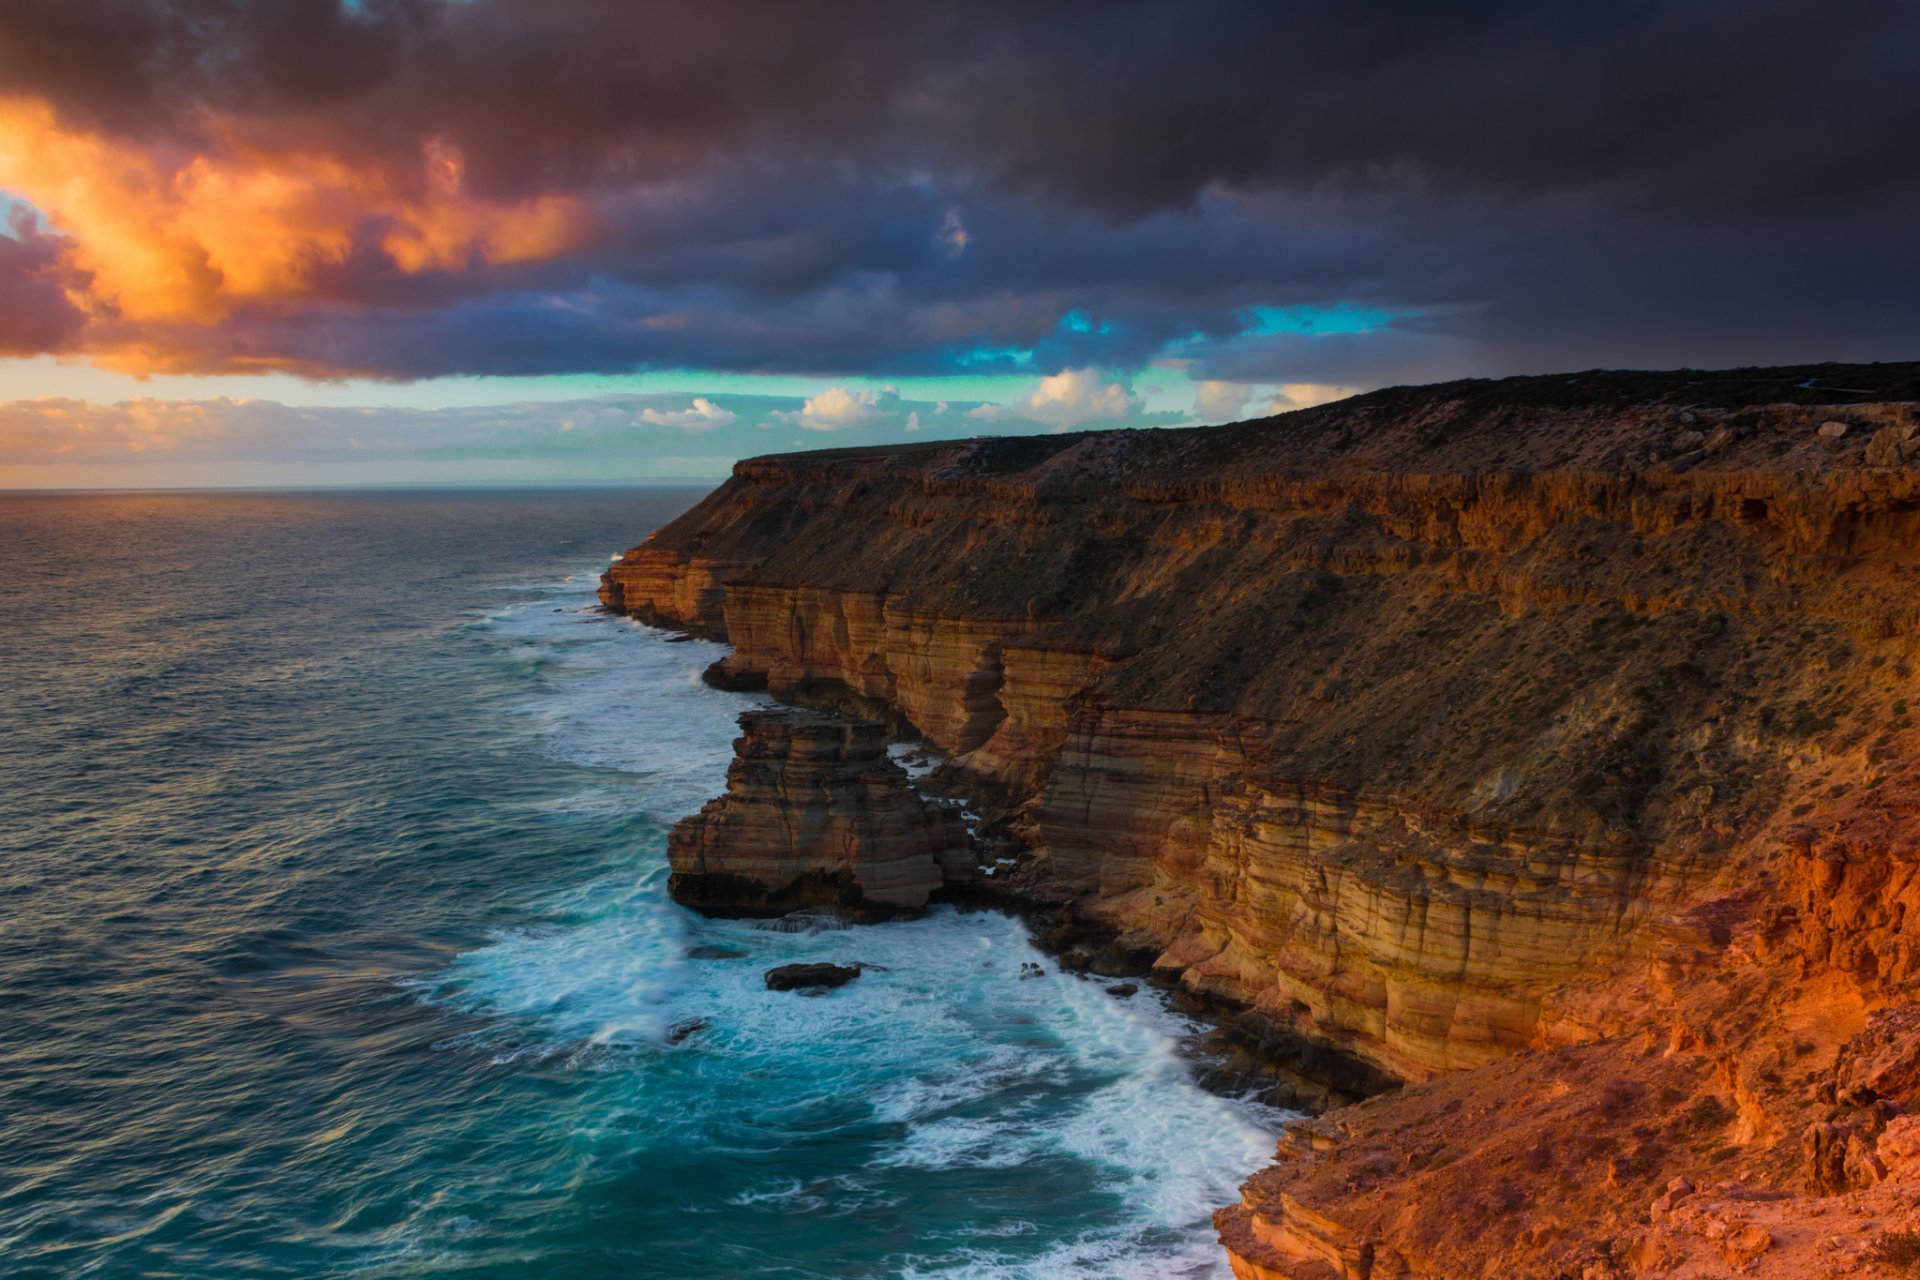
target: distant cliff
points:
(1564, 714)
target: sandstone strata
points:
(1557, 716)
(815, 815)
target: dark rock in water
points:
(722, 676)
(1254, 1056)
(679, 639)
(686, 1027)
(1123, 989)
(1087, 946)
(803, 977)
(1031, 970)
(808, 922)
(709, 952)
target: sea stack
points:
(815, 815)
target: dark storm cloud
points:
(881, 187)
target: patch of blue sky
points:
(993, 358)
(12, 205)
(1077, 321)
(1339, 318)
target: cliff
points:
(1437, 726)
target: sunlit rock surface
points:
(1568, 716)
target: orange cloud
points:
(166, 238)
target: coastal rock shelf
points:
(815, 814)
(1567, 717)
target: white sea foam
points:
(916, 758)
(607, 976)
(617, 695)
(940, 1058)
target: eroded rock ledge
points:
(1556, 726)
(815, 815)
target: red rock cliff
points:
(1435, 726)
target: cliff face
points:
(815, 815)
(1434, 726)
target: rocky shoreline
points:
(818, 818)
(1541, 747)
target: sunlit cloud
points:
(1305, 395)
(149, 440)
(153, 237)
(701, 413)
(1070, 398)
(839, 408)
(1215, 401)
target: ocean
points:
(334, 942)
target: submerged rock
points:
(814, 977)
(807, 922)
(680, 1030)
(709, 952)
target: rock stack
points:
(815, 815)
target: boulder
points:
(1883, 1060)
(1893, 446)
(811, 977)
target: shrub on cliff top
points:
(1709, 1112)
(1897, 1249)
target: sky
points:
(492, 241)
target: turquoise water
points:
(334, 942)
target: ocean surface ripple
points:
(334, 941)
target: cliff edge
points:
(1516, 740)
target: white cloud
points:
(1067, 399)
(952, 235)
(838, 408)
(701, 413)
(1304, 395)
(913, 420)
(38, 433)
(1220, 401)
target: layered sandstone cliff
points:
(815, 815)
(1435, 726)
